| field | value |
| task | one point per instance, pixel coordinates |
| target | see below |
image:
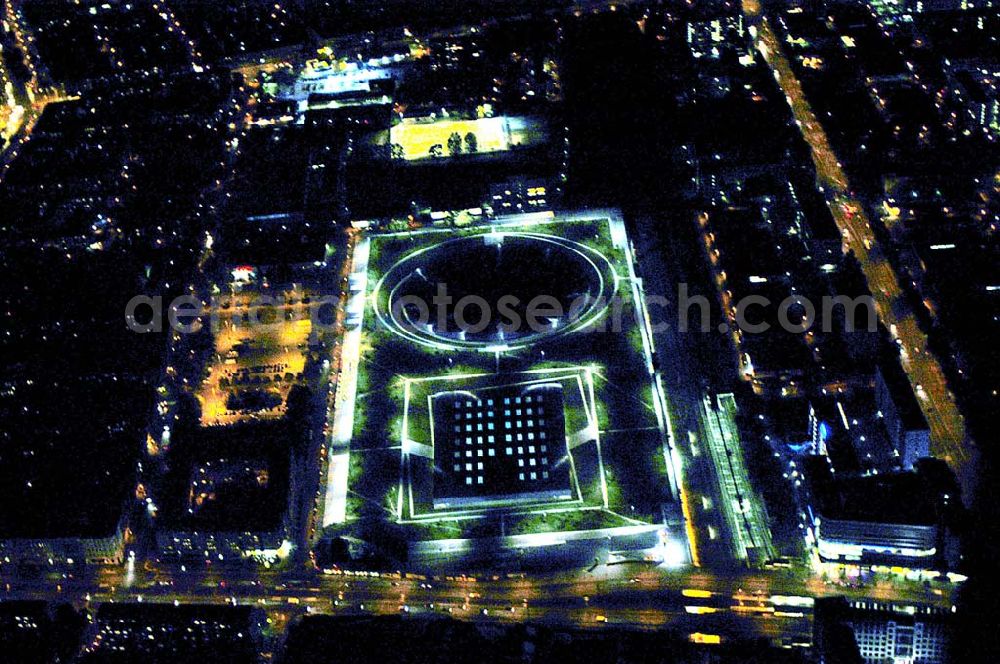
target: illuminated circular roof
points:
(495, 291)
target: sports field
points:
(492, 135)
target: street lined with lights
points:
(922, 367)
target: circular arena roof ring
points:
(498, 268)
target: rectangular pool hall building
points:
(499, 446)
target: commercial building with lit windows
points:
(881, 632)
(500, 446)
(892, 518)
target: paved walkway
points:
(335, 510)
